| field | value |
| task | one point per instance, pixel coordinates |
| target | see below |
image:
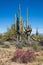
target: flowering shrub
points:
(23, 56)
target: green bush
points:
(6, 46)
(35, 46)
(19, 46)
(41, 42)
(1, 43)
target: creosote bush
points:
(19, 46)
(36, 46)
(23, 56)
(6, 46)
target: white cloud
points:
(39, 30)
(33, 31)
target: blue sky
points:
(9, 7)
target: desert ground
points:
(6, 55)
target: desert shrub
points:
(36, 46)
(1, 43)
(41, 48)
(19, 45)
(23, 56)
(41, 42)
(6, 46)
(25, 44)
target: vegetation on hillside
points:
(10, 34)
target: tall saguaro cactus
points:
(27, 18)
(36, 31)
